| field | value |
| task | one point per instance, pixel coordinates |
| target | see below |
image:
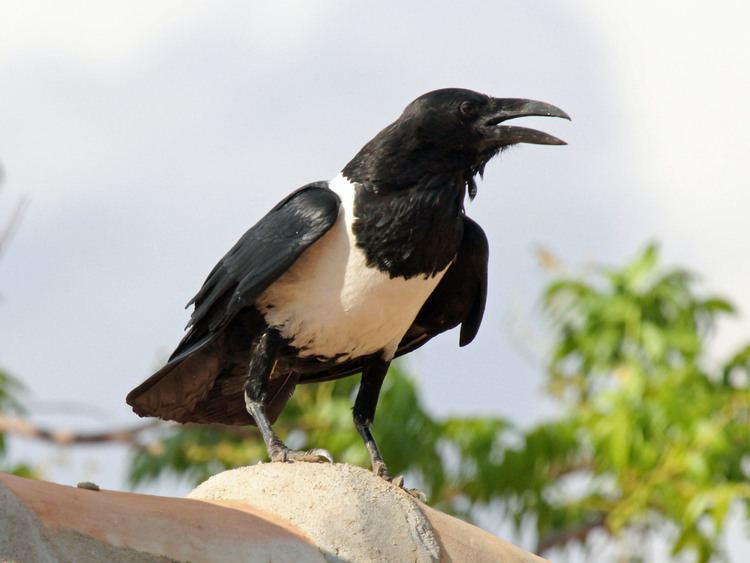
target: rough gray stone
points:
(348, 512)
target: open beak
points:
(494, 134)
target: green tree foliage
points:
(10, 389)
(654, 427)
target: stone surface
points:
(347, 511)
(42, 522)
(352, 515)
(293, 512)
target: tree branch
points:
(561, 470)
(22, 427)
(579, 533)
(12, 225)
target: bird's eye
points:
(468, 109)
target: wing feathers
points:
(475, 251)
(263, 254)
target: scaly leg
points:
(265, 352)
(373, 375)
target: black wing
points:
(459, 298)
(263, 253)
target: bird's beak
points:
(494, 134)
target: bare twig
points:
(579, 533)
(26, 428)
(53, 406)
(12, 226)
(562, 470)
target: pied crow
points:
(340, 277)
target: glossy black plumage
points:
(296, 299)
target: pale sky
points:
(149, 136)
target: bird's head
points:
(451, 130)
(465, 120)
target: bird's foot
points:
(380, 469)
(417, 494)
(316, 455)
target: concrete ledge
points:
(268, 512)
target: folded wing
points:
(263, 254)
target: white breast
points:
(331, 304)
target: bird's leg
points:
(263, 359)
(373, 375)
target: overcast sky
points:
(149, 136)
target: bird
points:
(343, 276)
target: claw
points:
(316, 455)
(417, 494)
(320, 454)
(399, 482)
(381, 470)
